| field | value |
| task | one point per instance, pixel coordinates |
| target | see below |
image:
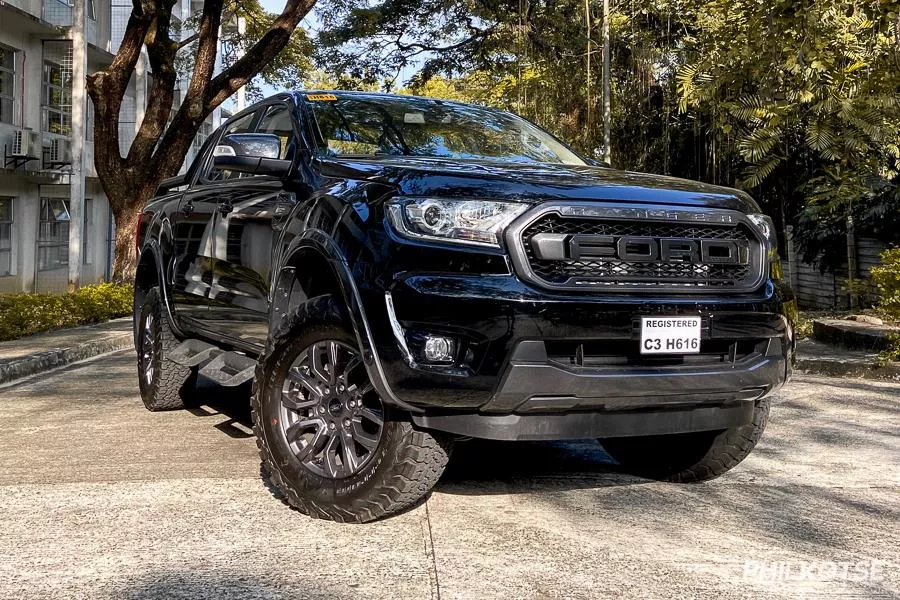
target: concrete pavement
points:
(102, 499)
(43, 352)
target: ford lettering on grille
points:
(550, 246)
(620, 249)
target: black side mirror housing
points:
(171, 184)
(252, 153)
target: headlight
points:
(476, 222)
(766, 226)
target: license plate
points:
(670, 335)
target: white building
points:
(35, 139)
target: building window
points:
(7, 84)
(56, 98)
(6, 221)
(91, 8)
(53, 235)
(205, 131)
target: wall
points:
(823, 291)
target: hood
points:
(532, 183)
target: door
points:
(193, 227)
(247, 224)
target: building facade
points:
(36, 86)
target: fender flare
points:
(318, 241)
(152, 246)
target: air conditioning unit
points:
(26, 143)
(60, 153)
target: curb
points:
(848, 369)
(59, 357)
(852, 335)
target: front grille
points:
(615, 274)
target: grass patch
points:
(891, 354)
(803, 326)
(27, 314)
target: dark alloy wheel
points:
(147, 358)
(330, 447)
(330, 415)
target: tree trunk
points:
(126, 252)
(164, 137)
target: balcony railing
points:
(59, 13)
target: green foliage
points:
(822, 226)
(859, 289)
(322, 80)
(886, 278)
(806, 94)
(803, 326)
(27, 314)
(892, 352)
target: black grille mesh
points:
(670, 274)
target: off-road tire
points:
(170, 382)
(405, 466)
(689, 457)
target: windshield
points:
(359, 125)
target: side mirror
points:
(252, 153)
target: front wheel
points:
(689, 457)
(328, 443)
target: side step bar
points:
(191, 353)
(225, 368)
(229, 369)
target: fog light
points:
(439, 349)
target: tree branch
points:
(420, 48)
(161, 52)
(263, 51)
(188, 40)
(205, 58)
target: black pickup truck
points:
(395, 273)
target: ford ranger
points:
(396, 273)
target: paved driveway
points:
(102, 499)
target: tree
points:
(806, 93)
(165, 136)
(795, 101)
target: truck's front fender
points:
(285, 295)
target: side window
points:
(241, 125)
(277, 121)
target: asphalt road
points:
(102, 499)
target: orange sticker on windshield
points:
(321, 97)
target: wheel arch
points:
(314, 265)
(149, 274)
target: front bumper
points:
(532, 383)
(537, 399)
(506, 328)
